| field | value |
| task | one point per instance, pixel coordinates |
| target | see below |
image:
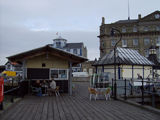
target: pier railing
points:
(144, 87)
(20, 88)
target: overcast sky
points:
(29, 24)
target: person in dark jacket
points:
(44, 83)
(37, 85)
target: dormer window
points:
(146, 28)
(135, 29)
(124, 30)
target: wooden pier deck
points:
(76, 107)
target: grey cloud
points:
(28, 24)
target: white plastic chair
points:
(107, 93)
(93, 92)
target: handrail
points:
(137, 80)
(11, 90)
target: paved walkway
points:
(76, 107)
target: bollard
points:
(19, 88)
(153, 99)
(125, 90)
(1, 106)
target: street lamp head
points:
(112, 34)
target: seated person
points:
(52, 86)
(37, 85)
(44, 83)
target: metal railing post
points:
(149, 86)
(131, 87)
(153, 99)
(112, 86)
(19, 88)
(12, 92)
(142, 93)
(125, 89)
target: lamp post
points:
(115, 84)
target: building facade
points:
(87, 67)
(12, 66)
(48, 62)
(74, 48)
(137, 34)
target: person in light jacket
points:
(52, 86)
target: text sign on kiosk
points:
(1, 89)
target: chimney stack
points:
(103, 20)
(139, 16)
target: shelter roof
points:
(44, 50)
(124, 57)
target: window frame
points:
(134, 29)
(68, 50)
(146, 28)
(157, 28)
(124, 30)
(146, 52)
(146, 41)
(134, 41)
(112, 42)
(124, 41)
(65, 76)
(157, 41)
(75, 51)
(8, 67)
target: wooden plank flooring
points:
(75, 107)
